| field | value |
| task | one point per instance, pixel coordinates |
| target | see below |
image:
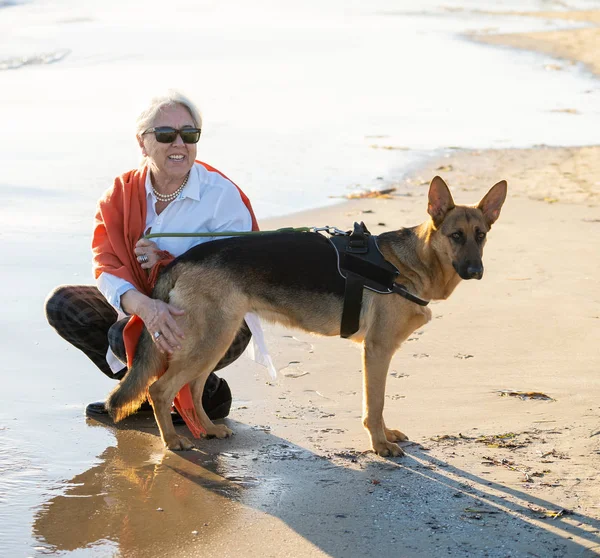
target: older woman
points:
(170, 192)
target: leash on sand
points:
(327, 229)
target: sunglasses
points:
(167, 134)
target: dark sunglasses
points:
(166, 134)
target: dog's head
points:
(459, 231)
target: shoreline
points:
(574, 46)
(546, 174)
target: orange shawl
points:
(120, 222)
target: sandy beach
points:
(499, 395)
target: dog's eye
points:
(480, 235)
(456, 235)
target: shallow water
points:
(299, 102)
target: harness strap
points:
(363, 266)
(353, 295)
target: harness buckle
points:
(358, 242)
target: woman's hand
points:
(158, 317)
(146, 252)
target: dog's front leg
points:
(376, 362)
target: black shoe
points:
(216, 398)
(98, 408)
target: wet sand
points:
(487, 474)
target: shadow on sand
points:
(257, 494)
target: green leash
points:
(248, 233)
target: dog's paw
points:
(388, 449)
(395, 435)
(178, 443)
(219, 431)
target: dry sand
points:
(486, 475)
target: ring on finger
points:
(143, 258)
(156, 335)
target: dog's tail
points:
(132, 390)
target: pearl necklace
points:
(170, 197)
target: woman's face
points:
(171, 159)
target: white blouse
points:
(208, 203)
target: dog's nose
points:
(475, 271)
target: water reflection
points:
(135, 490)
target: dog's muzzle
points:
(469, 270)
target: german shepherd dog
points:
(292, 278)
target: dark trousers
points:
(83, 317)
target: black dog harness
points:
(362, 265)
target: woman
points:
(170, 192)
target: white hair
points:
(170, 98)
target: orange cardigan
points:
(120, 222)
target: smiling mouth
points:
(176, 157)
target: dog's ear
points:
(491, 204)
(440, 200)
